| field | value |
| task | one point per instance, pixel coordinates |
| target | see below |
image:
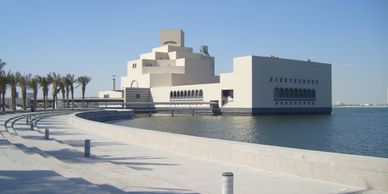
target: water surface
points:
(362, 131)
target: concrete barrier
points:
(106, 115)
(362, 171)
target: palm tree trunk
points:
(24, 95)
(35, 99)
(67, 97)
(54, 100)
(44, 101)
(72, 96)
(3, 99)
(63, 99)
(13, 95)
(83, 97)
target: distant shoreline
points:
(360, 106)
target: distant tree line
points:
(59, 84)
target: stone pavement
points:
(30, 164)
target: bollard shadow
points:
(4, 142)
(49, 181)
(132, 162)
(24, 128)
(44, 182)
(148, 190)
(80, 143)
(63, 132)
(33, 137)
(75, 156)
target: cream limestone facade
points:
(257, 85)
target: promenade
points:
(31, 164)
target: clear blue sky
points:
(97, 38)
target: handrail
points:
(38, 116)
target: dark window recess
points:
(137, 96)
(227, 96)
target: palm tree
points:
(24, 82)
(69, 82)
(34, 85)
(83, 80)
(3, 84)
(62, 87)
(55, 80)
(44, 82)
(3, 87)
(2, 64)
(12, 81)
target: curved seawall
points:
(106, 115)
(362, 171)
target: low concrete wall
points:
(361, 171)
(106, 115)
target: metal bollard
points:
(87, 148)
(46, 134)
(227, 183)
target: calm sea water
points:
(361, 131)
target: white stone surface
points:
(362, 171)
(119, 166)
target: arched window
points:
(200, 93)
(291, 93)
(300, 93)
(304, 95)
(196, 93)
(286, 93)
(276, 93)
(134, 84)
(174, 94)
(192, 94)
(314, 93)
(181, 94)
(171, 94)
(185, 94)
(281, 93)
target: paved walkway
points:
(30, 164)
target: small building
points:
(257, 85)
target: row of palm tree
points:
(64, 84)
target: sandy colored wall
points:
(265, 67)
